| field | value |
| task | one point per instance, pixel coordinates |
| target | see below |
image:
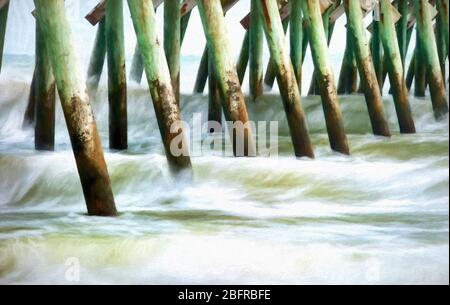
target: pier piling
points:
(355, 27)
(319, 49)
(4, 9)
(395, 67)
(77, 109)
(431, 58)
(97, 60)
(296, 39)
(117, 79)
(256, 52)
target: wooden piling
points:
(377, 51)
(269, 78)
(287, 82)
(77, 110)
(420, 79)
(244, 55)
(97, 60)
(318, 42)
(411, 70)
(213, 21)
(172, 42)
(202, 73)
(442, 7)
(3, 20)
(441, 41)
(117, 79)
(402, 29)
(214, 99)
(256, 52)
(296, 39)
(431, 59)
(348, 77)
(159, 82)
(28, 118)
(45, 95)
(355, 26)
(395, 67)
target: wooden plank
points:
(366, 5)
(98, 12)
(188, 5)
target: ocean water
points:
(379, 216)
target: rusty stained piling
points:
(213, 21)
(45, 96)
(4, 9)
(287, 82)
(97, 60)
(318, 43)
(355, 27)
(348, 76)
(77, 109)
(430, 56)
(172, 42)
(256, 52)
(296, 39)
(117, 80)
(395, 67)
(160, 84)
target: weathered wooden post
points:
(420, 79)
(29, 116)
(4, 8)
(244, 55)
(296, 38)
(77, 110)
(256, 52)
(355, 27)
(213, 20)
(269, 78)
(98, 56)
(395, 67)
(137, 66)
(159, 82)
(202, 73)
(348, 77)
(318, 42)
(431, 59)
(287, 82)
(172, 42)
(214, 99)
(377, 50)
(45, 95)
(402, 29)
(441, 22)
(411, 71)
(442, 7)
(117, 79)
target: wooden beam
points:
(188, 5)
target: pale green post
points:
(442, 6)
(117, 78)
(77, 109)
(256, 52)
(97, 60)
(402, 29)
(356, 29)
(137, 67)
(319, 42)
(159, 82)
(296, 38)
(287, 82)
(420, 79)
(244, 55)
(348, 77)
(45, 95)
(172, 42)
(377, 53)
(3, 20)
(431, 58)
(269, 78)
(202, 73)
(395, 67)
(214, 26)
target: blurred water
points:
(379, 216)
